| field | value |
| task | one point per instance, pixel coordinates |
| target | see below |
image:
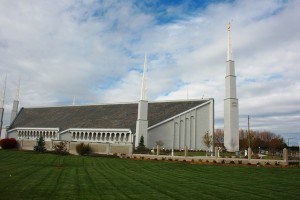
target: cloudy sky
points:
(94, 50)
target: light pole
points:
(248, 131)
(299, 150)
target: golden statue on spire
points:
(229, 26)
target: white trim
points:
(38, 129)
(97, 130)
(180, 114)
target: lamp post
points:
(248, 131)
(299, 150)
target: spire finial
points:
(144, 81)
(4, 90)
(229, 48)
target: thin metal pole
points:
(248, 131)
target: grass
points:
(29, 175)
(191, 153)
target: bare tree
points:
(207, 140)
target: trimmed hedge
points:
(83, 149)
(8, 143)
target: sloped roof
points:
(99, 116)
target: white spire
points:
(229, 48)
(74, 101)
(4, 89)
(18, 90)
(144, 81)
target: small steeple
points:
(4, 90)
(74, 99)
(18, 90)
(15, 107)
(144, 81)
(229, 48)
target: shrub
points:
(214, 161)
(83, 149)
(249, 163)
(240, 162)
(61, 148)
(231, 162)
(8, 143)
(223, 161)
(40, 145)
(267, 163)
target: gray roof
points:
(99, 116)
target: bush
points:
(231, 162)
(83, 149)
(8, 143)
(40, 145)
(240, 162)
(61, 148)
(223, 161)
(267, 163)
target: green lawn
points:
(29, 175)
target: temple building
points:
(178, 124)
(112, 128)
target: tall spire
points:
(231, 106)
(142, 118)
(229, 48)
(4, 90)
(144, 81)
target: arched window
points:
(122, 137)
(117, 137)
(103, 137)
(127, 137)
(107, 136)
(112, 137)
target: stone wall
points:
(98, 148)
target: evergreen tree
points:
(141, 147)
(40, 145)
(141, 143)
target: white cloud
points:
(94, 50)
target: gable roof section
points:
(99, 116)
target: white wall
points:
(186, 129)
